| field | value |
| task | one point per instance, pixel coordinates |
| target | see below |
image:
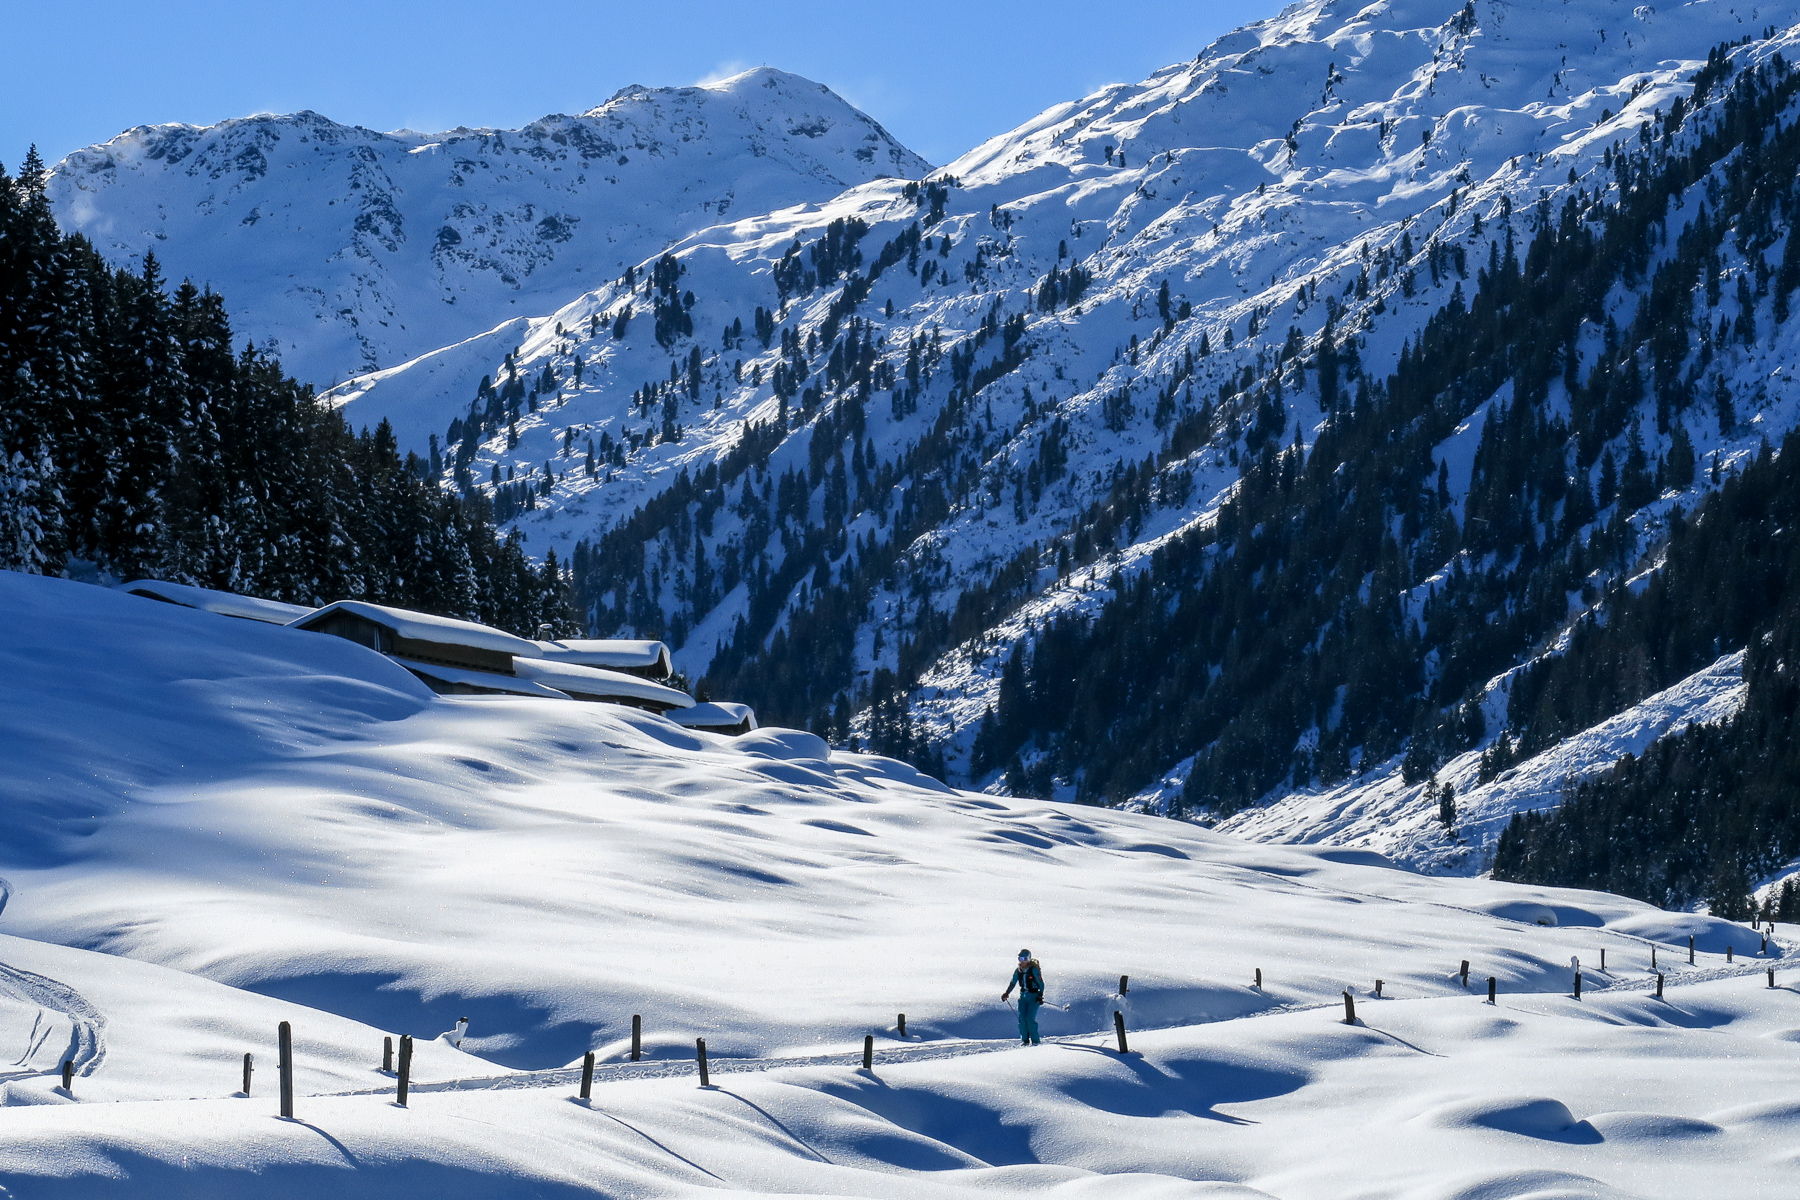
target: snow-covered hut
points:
(647, 660)
(452, 657)
(612, 687)
(226, 604)
(719, 716)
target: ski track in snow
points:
(86, 1044)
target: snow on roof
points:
(426, 627)
(610, 652)
(592, 681)
(226, 604)
(481, 679)
(718, 714)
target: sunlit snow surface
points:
(214, 825)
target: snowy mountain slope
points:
(1341, 163)
(1399, 820)
(548, 869)
(351, 250)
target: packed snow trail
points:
(897, 1055)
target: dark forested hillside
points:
(1277, 645)
(134, 437)
(1698, 815)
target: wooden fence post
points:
(637, 1037)
(1578, 985)
(1259, 979)
(405, 1083)
(868, 1051)
(1349, 1009)
(1493, 983)
(1119, 1028)
(1603, 960)
(249, 1066)
(902, 1025)
(1465, 972)
(1653, 956)
(1728, 954)
(700, 1057)
(1771, 976)
(587, 1075)
(1124, 984)
(69, 1076)
(1378, 987)
(1690, 949)
(1659, 985)
(284, 1039)
(387, 1055)
(1765, 945)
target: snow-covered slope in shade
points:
(350, 250)
(1388, 815)
(215, 825)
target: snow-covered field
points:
(214, 825)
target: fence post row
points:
(284, 1038)
(286, 1047)
(405, 1082)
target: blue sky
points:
(941, 76)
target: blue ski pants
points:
(1028, 1008)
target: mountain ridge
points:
(446, 232)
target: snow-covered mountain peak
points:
(352, 250)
